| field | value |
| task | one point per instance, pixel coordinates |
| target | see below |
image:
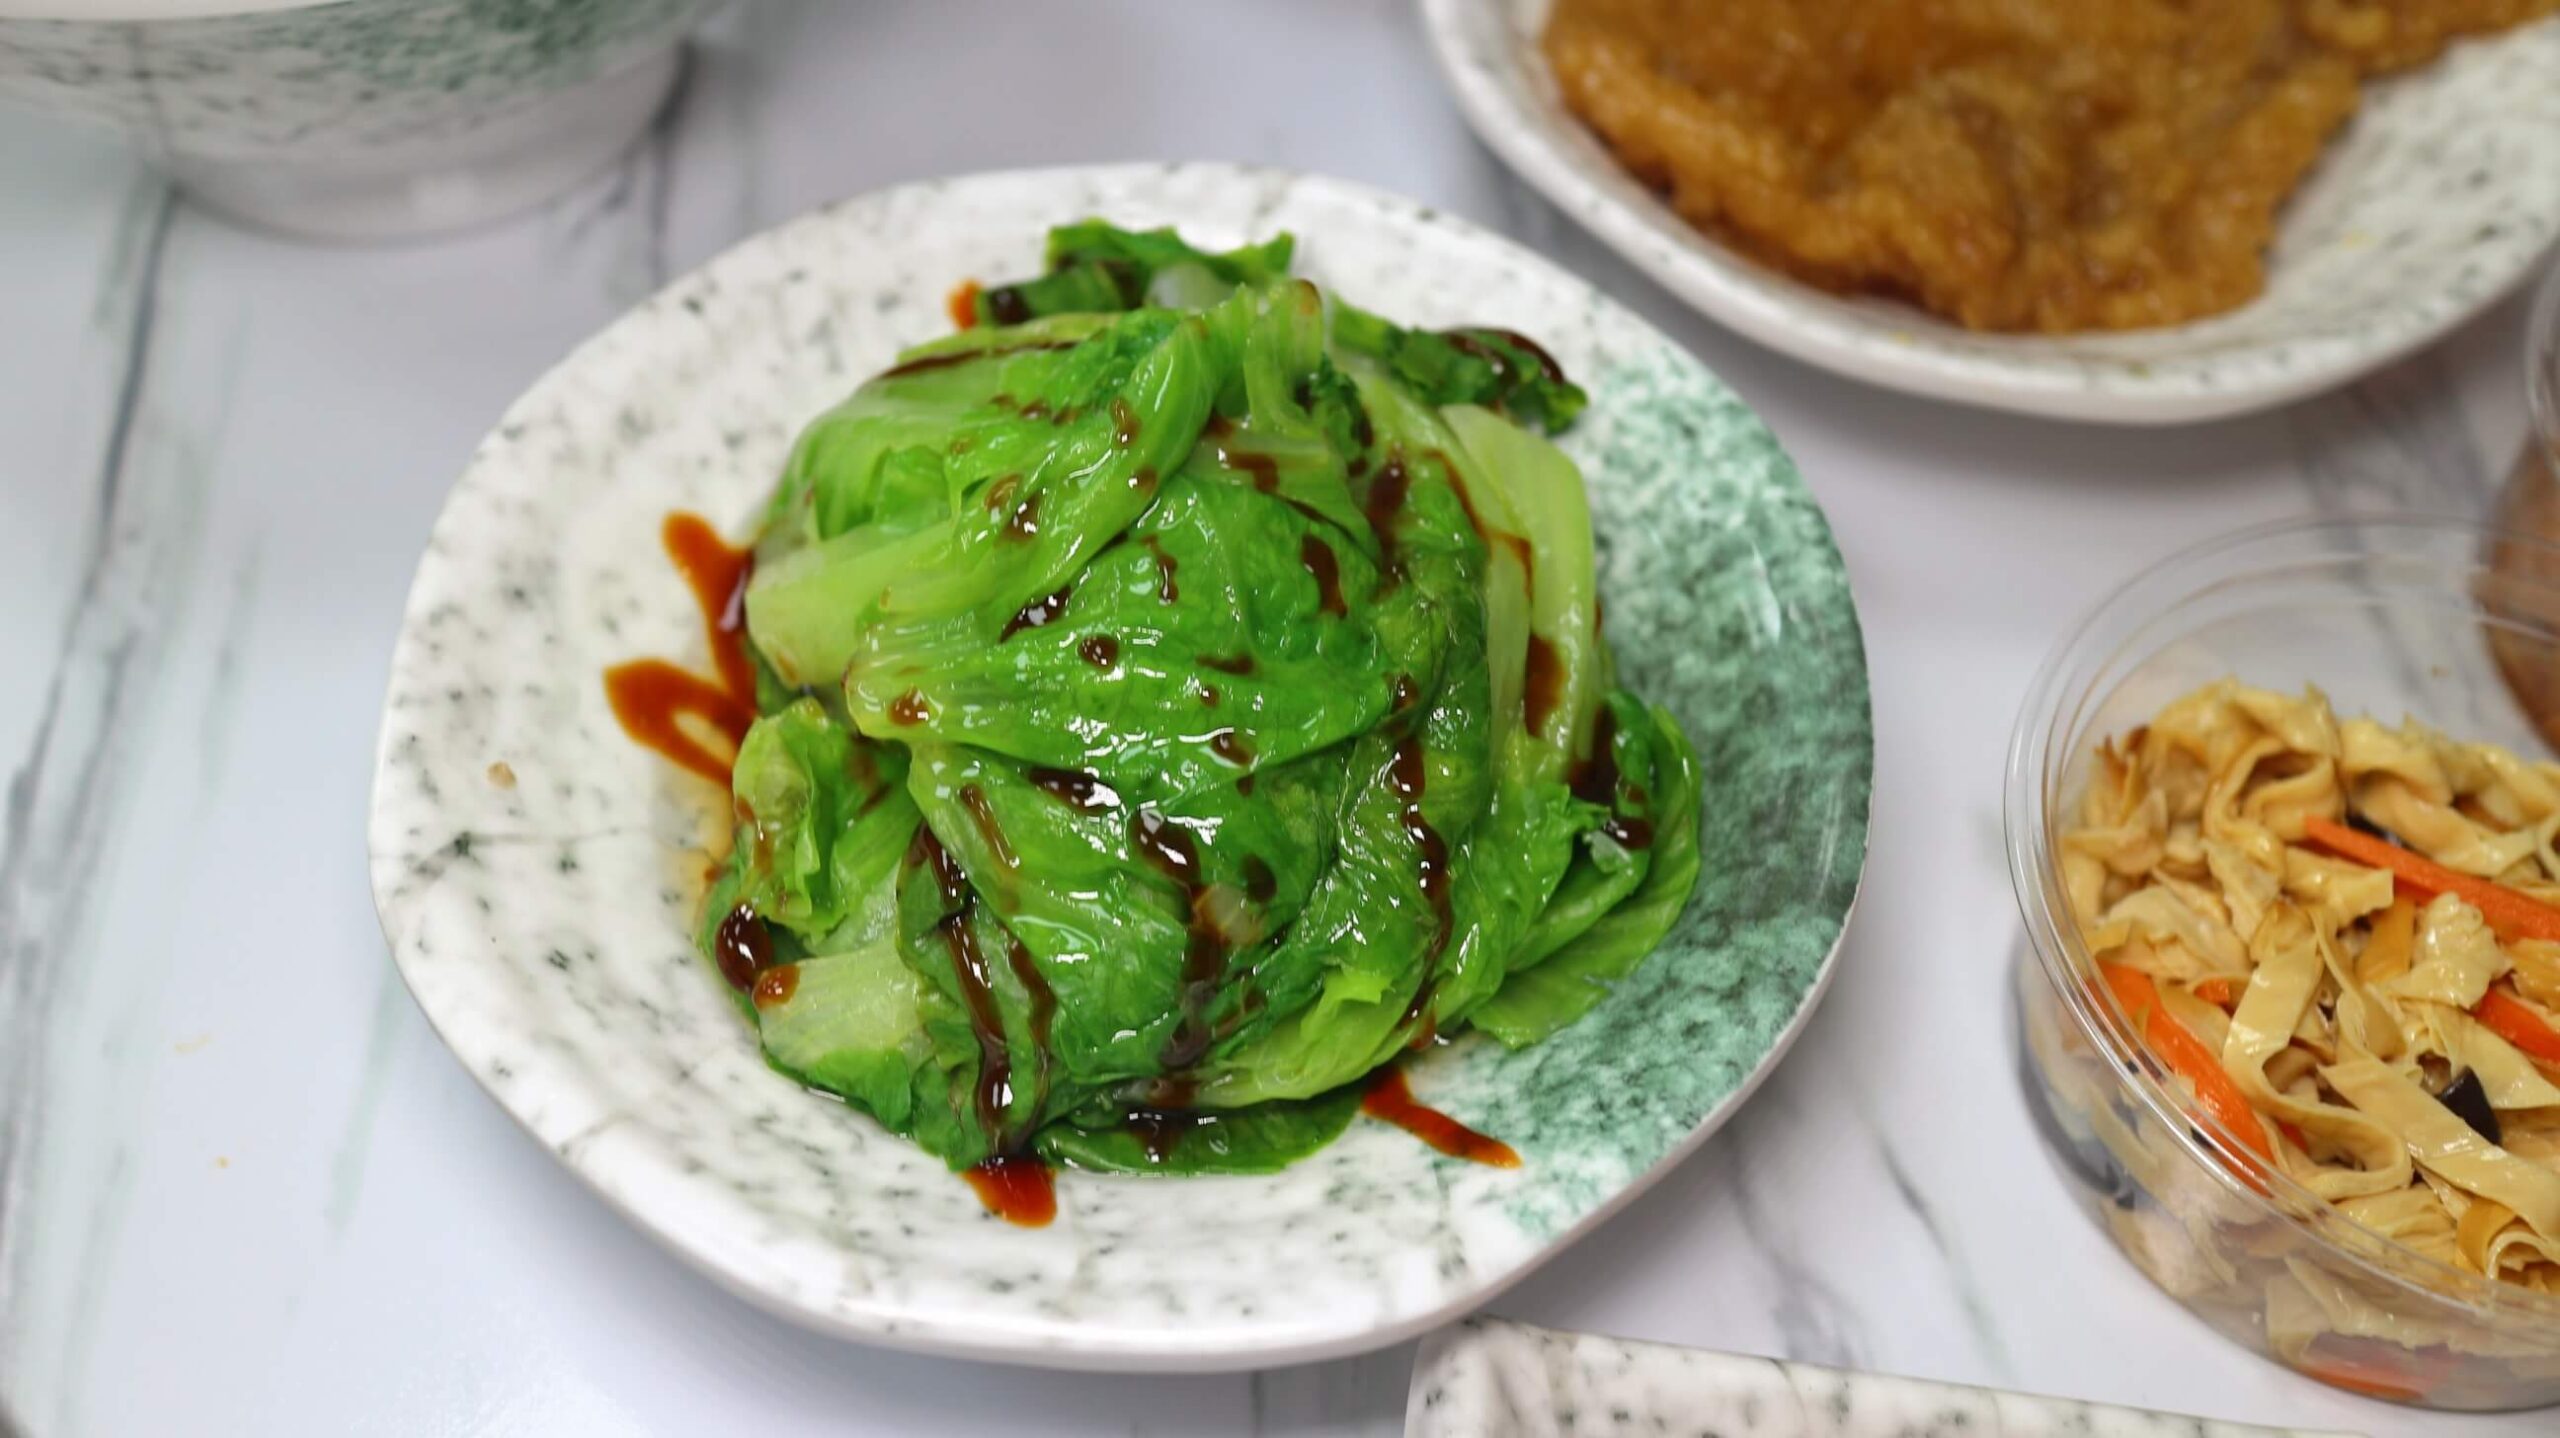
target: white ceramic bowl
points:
(354, 119)
(2434, 202)
(544, 919)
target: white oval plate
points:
(2434, 202)
(543, 920)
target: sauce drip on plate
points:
(1391, 1099)
(653, 699)
(1016, 1188)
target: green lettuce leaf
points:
(1095, 265)
(1580, 972)
(822, 816)
(1262, 1139)
(1494, 368)
(1182, 693)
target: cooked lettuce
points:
(1182, 693)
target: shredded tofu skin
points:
(2391, 1025)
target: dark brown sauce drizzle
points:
(1208, 696)
(1317, 556)
(1228, 746)
(1244, 784)
(1466, 496)
(1170, 848)
(1042, 610)
(1386, 500)
(1595, 778)
(1016, 1188)
(651, 697)
(1166, 845)
(743, 946)
(1124, 423)
(1546, 362)
(1420, 1014)
(1391, 1099)
(1467, 344)
(775, 986)
(1239, 662)
(1160, 1131)
(1259, 882)
(1629, 833)
(1466, 341)
(1541, 685)
(1100, 650)
(1006, 305)
(1044, 999)
(926, 851)
(1519, 546)
(993, 1092)
(910, 708)
(1024, 523)
(983, 814)
(1001, 493)
(1076, 790)
(1261, 468)
(995, 307)
(1406, 693)
(1166, 564)
(1409, 774)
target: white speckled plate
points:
(1490, 1379)
(2435, 201)
(541, 913)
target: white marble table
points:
(259, 1198)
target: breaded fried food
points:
(2036, 165)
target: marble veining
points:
(543, 926)
(1487, 1378)
(64, 796)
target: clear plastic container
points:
(2530, 504)
(2388, 617)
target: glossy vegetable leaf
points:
(1262, 1139)
(1034, 479)
(1225, 632)
(1565, 663)
(822, 816)
(1095, 265)
(1179, 702)
(1534, 1004)
(851, 1026)
(1494, 368)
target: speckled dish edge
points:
(1488, 1378)
(2434, 203)
(542, 922)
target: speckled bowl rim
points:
(1864, 339)
(882, 1323)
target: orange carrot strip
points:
(963, 306)
(2356, 1379)
(2510, 1018)
(2377, 1368)
(2186, 1057)
(2218, 991)
(2511, 914)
